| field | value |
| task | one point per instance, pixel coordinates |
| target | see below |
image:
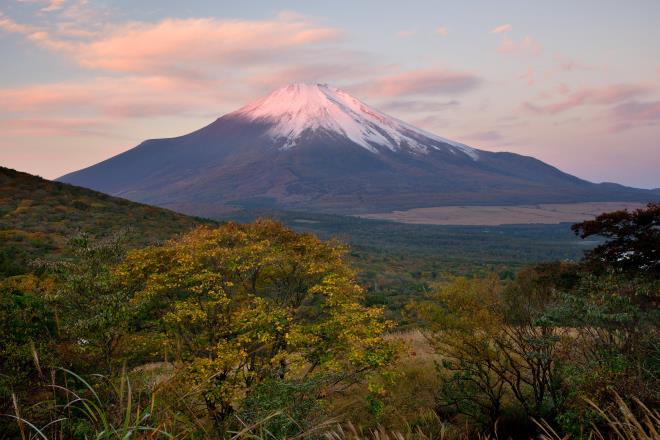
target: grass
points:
(98, 418)
(78, 404)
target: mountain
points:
(316, 147)
(37, 217)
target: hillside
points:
(38, 216)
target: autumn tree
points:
(246, 304)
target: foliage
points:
(613, 345)
(487, 360)
(27, 334)
(541, 345)
(397, 262)
(91, 303)
(244, 304)
(268, 333)
(633, 240)
(283, 408)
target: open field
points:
(504, 215)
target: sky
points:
(575, 84)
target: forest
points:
(125, 321)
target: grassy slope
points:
(38, 216)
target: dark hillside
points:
(38, 216)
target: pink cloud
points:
(53, 5)
(115, 97)
(35, 34)
(174, 45)
(638, 110)
(483, 136)
(633, 114)
(527, 45)
(529, 76)
(421, 82)
(183, 47)
(51, 127)
(420, 106)
(589, 96)
(503, 28)
(442, 30)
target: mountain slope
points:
(38, 216)
(316, 147)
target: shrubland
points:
(256, 331)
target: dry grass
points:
(504, 215)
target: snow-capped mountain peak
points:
(298, 108)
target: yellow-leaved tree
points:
(244, 304)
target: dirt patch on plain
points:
(504, 215)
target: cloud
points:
(9, 25)
(334, 68)
(503, 28)
(52, 127)
(483, 136)
(431, 122)
(419, 106)
(442, 30)
(180, 47)
(115, 98)
(638, 110)
(568, 64)
(53, 5)
(527, 45)
(529, 76)
(33, 33)
(174, 45)
(633, 114)
(607, 95)
(420, 82)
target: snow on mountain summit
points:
(297, 108)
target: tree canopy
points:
(243, 304)
(633, 239)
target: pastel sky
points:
(573, 83)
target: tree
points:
(495, 348)
(247, 304)
(91, 302)
(633, 240)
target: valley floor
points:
(503, 215)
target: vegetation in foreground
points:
(255, 331)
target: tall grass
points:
(621, 423)
(123, 418)
(101, 418)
